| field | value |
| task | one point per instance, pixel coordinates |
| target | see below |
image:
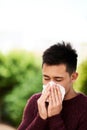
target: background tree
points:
(81, 83)
(20, 77)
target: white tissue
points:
(62, 89)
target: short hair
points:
(61, 53)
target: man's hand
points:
(42, 103)
(55, 101)
(54, 107)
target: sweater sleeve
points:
(31, 119)
(56, 123)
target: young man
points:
(59, 66)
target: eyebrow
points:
(56, 77)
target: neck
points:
(71, 94)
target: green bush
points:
(20, 77)
(81, 83)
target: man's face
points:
(58, 74)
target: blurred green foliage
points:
(81, 83)
(20, 77)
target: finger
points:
(45, 95)
(50, 101)
(53, 93)
(56, 96)
(59, 94)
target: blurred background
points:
(27, 28)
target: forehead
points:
(54, 69)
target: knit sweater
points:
(72, 117)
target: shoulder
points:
(33, 98)
(83, 107)
(82, 102)
(31, 102)
(31, 106)
(83, 98)
(79, 101)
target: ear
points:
(74, 76)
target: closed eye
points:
(58, 79)
(46, 78)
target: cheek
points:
(43, 81)
(67, 85)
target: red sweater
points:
(72, 117)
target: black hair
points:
(61, 53)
